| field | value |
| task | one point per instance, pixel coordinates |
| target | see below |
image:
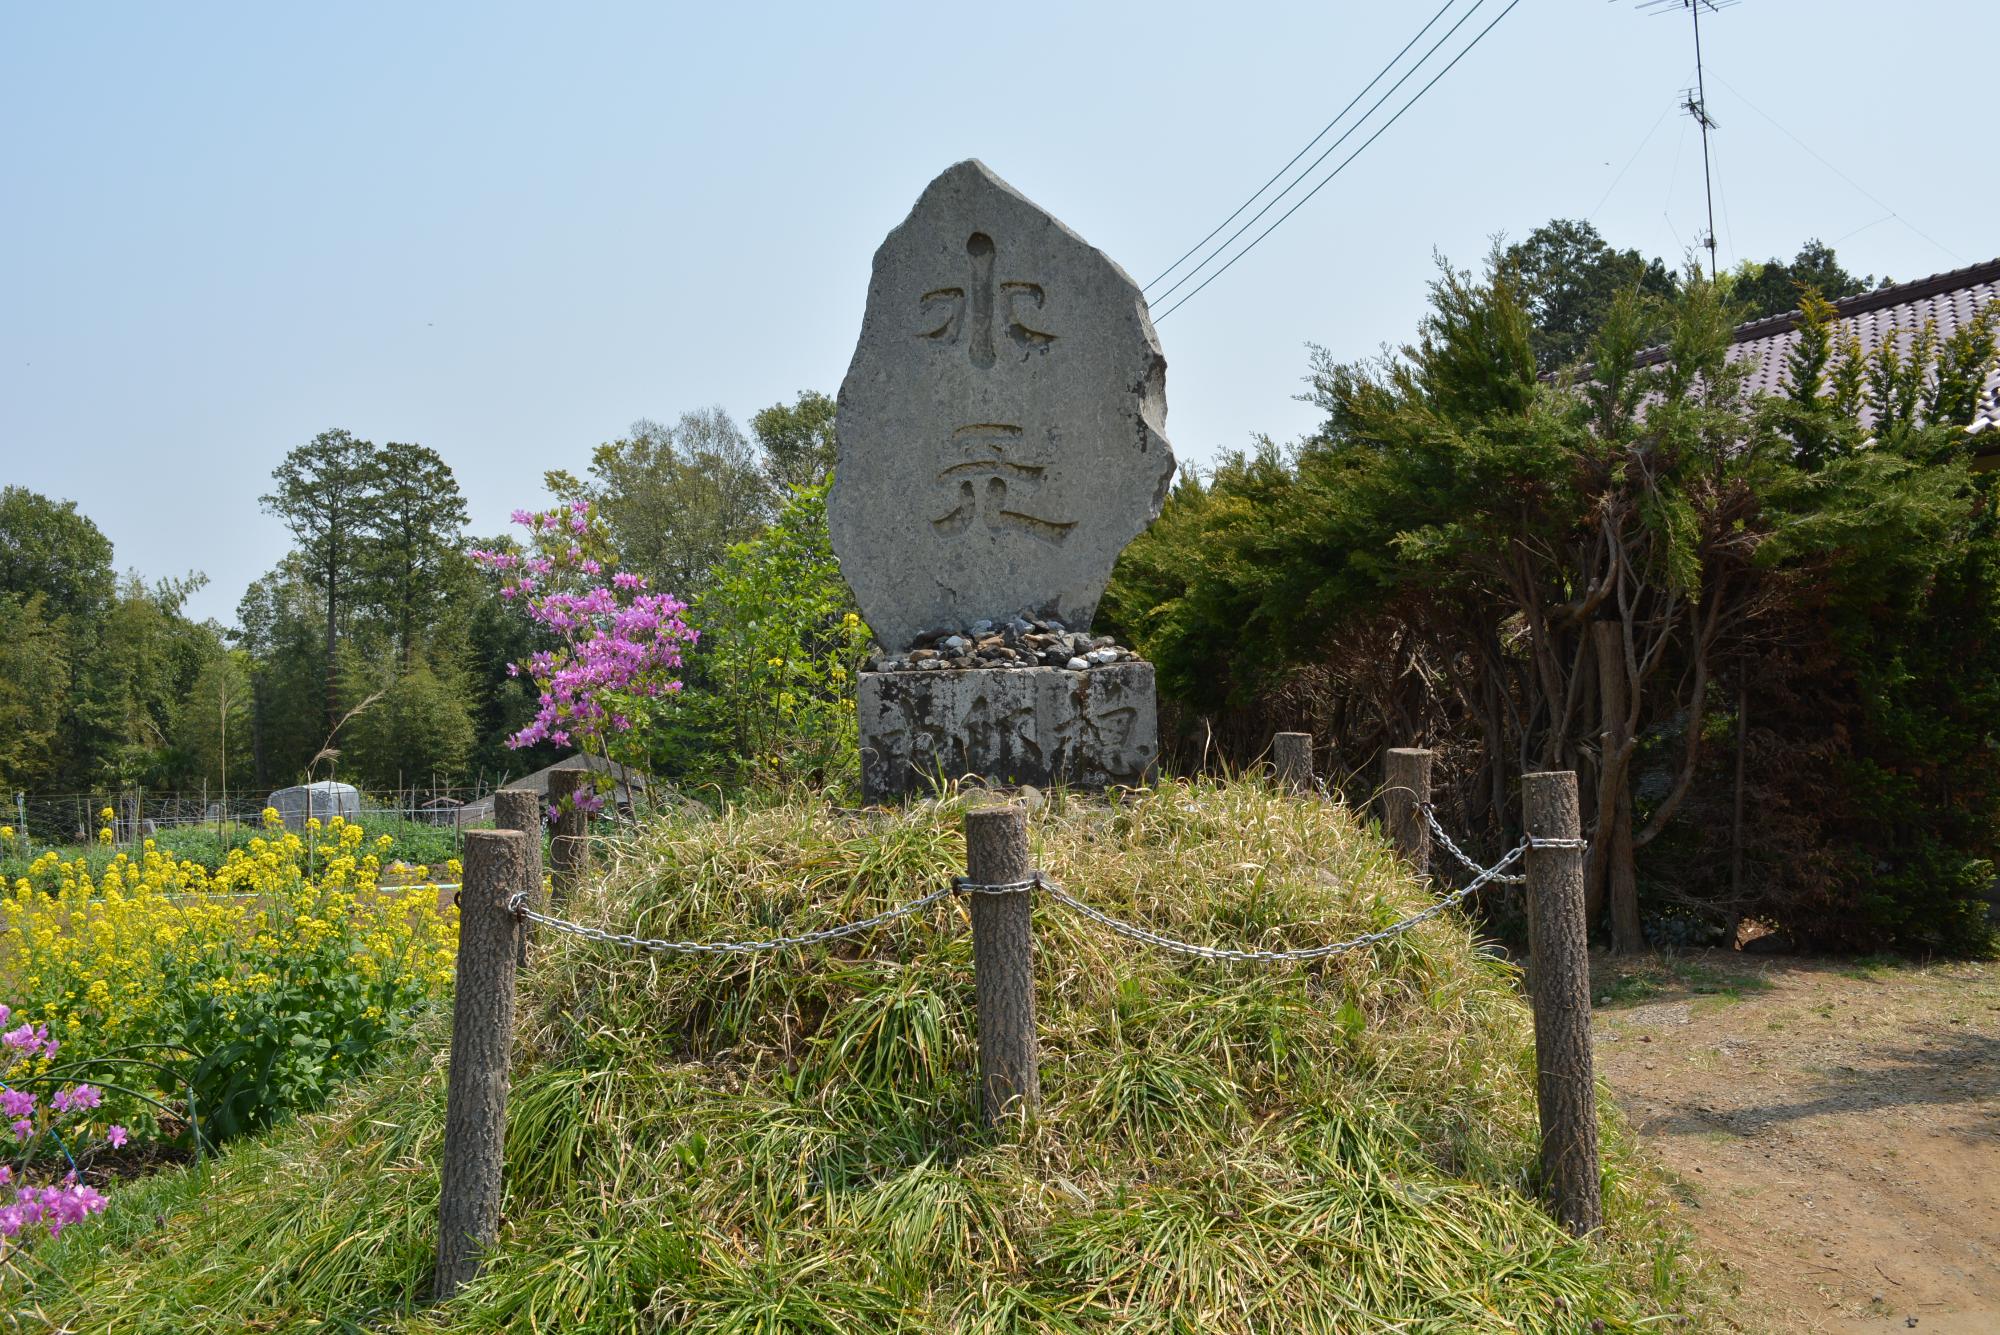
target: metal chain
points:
(518, 906)
(1451, 846)
(1144, 936)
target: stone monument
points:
(1000, 441)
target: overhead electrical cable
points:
(1344, 136)
(1308, 148)
(1415, 98)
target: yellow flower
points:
(106, 814)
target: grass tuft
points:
(779, 1144)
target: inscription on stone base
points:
(1043, 726)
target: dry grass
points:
(788, 1143)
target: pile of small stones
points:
(1022, 642)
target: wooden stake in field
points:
(497, 866)
(1003, 963)
(1564, 1087)
(569, 838)
(1292, 757)
(519, 809)
(1406, 791)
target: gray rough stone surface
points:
(1039, 726)
(1001, 424)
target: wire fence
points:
(69, 821)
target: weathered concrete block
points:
(1044, 726)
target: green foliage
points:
(1430, 565)
(34, 675)
(1569, 277)
(413, 563)
(771, 687)
(677, 498)
(48, 548)
(791, 1143)
(798, 441)
(418, 725)
(326, 496)
(1774, 287)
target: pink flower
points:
(76, 1099)
(23, 1128)
(116, 1135)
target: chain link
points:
(961, 885)
(1451, 847)
(518, 905)
(1145, 936)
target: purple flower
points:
(77, 1098)
(116, 1135)
(23, 1128)
(16, 1102)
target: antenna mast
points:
(1695, 102)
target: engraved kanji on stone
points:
(1001, 425)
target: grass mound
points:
(788, 1143)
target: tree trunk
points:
(1616, 879)
(332, 677)
(1736, 817)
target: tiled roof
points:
(1950, 300)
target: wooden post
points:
(482, 1026)
(1565, 1092)
(1292, 756)
(1003, 963)
(519, 809)
(569, 841)
(1406, 791)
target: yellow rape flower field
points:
(206, 1004)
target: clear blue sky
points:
(507, 231)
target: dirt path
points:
(1835, 1125)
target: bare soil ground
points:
(1835, 1126)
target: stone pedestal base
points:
(1044, 726)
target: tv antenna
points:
(1694, 100)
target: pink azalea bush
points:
(618, 644)
(26, 1052)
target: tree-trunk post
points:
(1292, 757)
(518, 809)
(1406, 791)
(1565, 1092)
(569, 838)
(1003, 963)
(482, 1026)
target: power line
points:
(1310, 167)
(1308, 148)
(1415, 98)
(1838, 172)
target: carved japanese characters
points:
(1001, 423)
